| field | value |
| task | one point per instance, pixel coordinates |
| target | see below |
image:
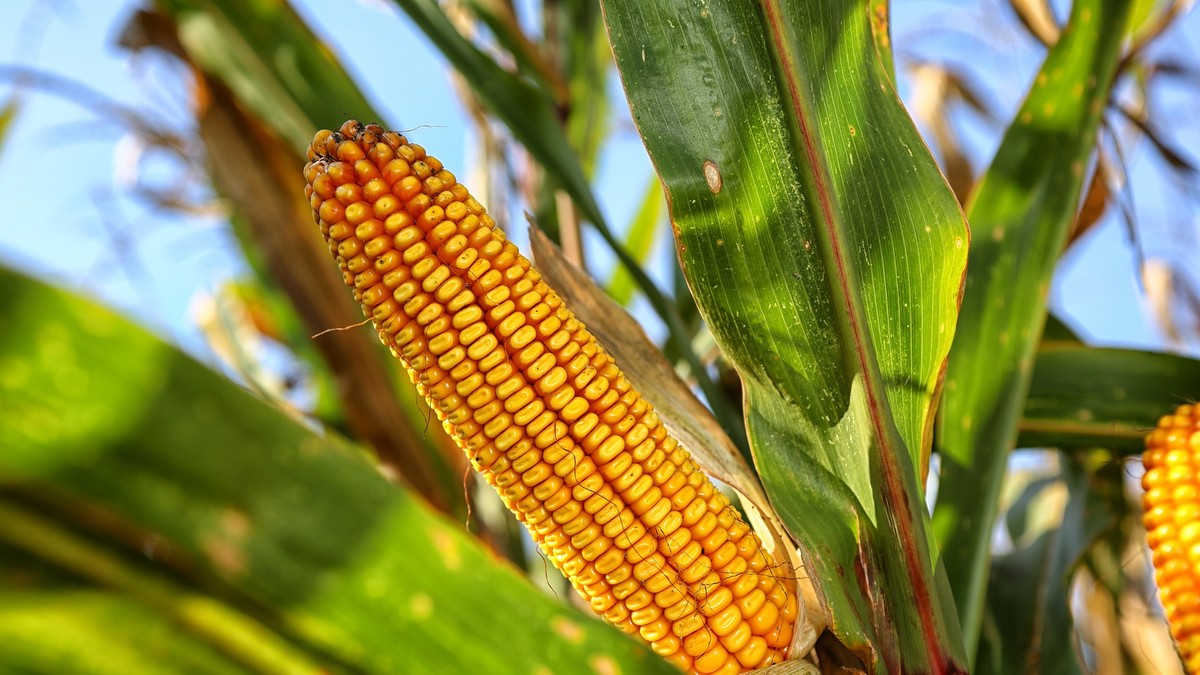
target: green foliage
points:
(798, 228)
(271, 61)
(1084, 397)
(1021, 213)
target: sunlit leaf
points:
(1087, 397)
(1020, 214)
(99, 634)
(272, 62)
(640, 236)
(826, 253)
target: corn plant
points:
(856, 335)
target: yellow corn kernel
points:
(1171, 514)
(543, 412)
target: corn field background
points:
(208, 466)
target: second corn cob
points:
(543, 412)
(1172, 519)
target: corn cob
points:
(543, 412)
(1172, 518)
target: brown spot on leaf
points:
(712, 176)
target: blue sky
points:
(79, 227)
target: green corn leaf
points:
(826, 254)
(273, 63)
(1089, 397)
(97, 633)
(643, 231)
(1029, 626)
(1020, 215)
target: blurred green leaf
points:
(527, 110)
(500, 18)
(50, 368)
(1024, 629)
(826, 254)
(274, 64)
(236, 635)
(1144, 15)
(97, 633)
(1028, 510)
(1058, 331)
(640, 236)
(8, 113)
(1028, 626)
(584, 45)
(1020, 215)
(573, 37)
(349, 566)
(1088, 397)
